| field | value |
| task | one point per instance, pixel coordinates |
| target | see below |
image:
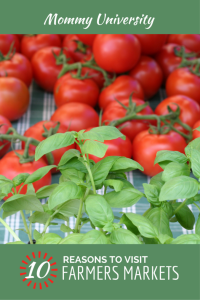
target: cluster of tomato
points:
(136, 65)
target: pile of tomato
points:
(137, 65)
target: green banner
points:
(89, 16)
(100, 272)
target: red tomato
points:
(62, 36)
(117, 147)
(45, 69)
(31, 44)
(20, 36)
(189, 109)
(196, 133)
(76, 116)
(183, 82)
(95, 75)
(191, 41)
(37, 130)
(4, 125)
(6, 40)
(167, 59)
(149, 74)
(68, 89)
(75, 51)
(121, 88)
(115, 111)
(11, 167)
(87, 39)
(151, 43)
(146, 145)
(14, 98)
(18, 66)
(116, 53)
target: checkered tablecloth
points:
(41, 108)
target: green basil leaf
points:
(56, 141)
(168, 156)
(93, 237)
(95, 148)
(179, 188)
(144, 225)
(159, 219)
(38, 174)
(152, 193)
(195, 162)
(198, 128)
(68, 155)
(5, 188)
(196, 198)
(187, 239)
(101, 169)
(49, 238)
(65, 228)
(129, 225)
(101, 134)
(124, 236)
(157, 180)
(30, 189)
(22, 202)
(46, 191)
(8, 213)
(39, 217)
(175, 169)
(70, 208)
(73, 175)
(20, 178)
(124, 164)
(168, 208)
(165, 239)
(98, 210)
(117, 185)
(37, 235)
(65, 191)
(195, 144)
(74, 163)
(184, 216)
(125, 198)
(72, 238)
(197, 227)
(15, 243)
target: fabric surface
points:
(41, 108)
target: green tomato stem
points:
(10, 230)
(26, 226)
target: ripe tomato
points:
(116, 53)
(18, 66)
(31, 44)
(20, 36)
(121, 88)
(151, 43)
(167, 59)
(10, 167)
(87, 39)
(45, 69)
(68, 89)
(75, 51)
(117, 147)
(146, 145)
(189, 109)
(4, 125)
(62, 36)
(191, 41)
(76, 116)
(14, 98)
(196, 133)
(6, 40)
(149, 74)
(183, 82)
(37, 130)
(115, 111)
